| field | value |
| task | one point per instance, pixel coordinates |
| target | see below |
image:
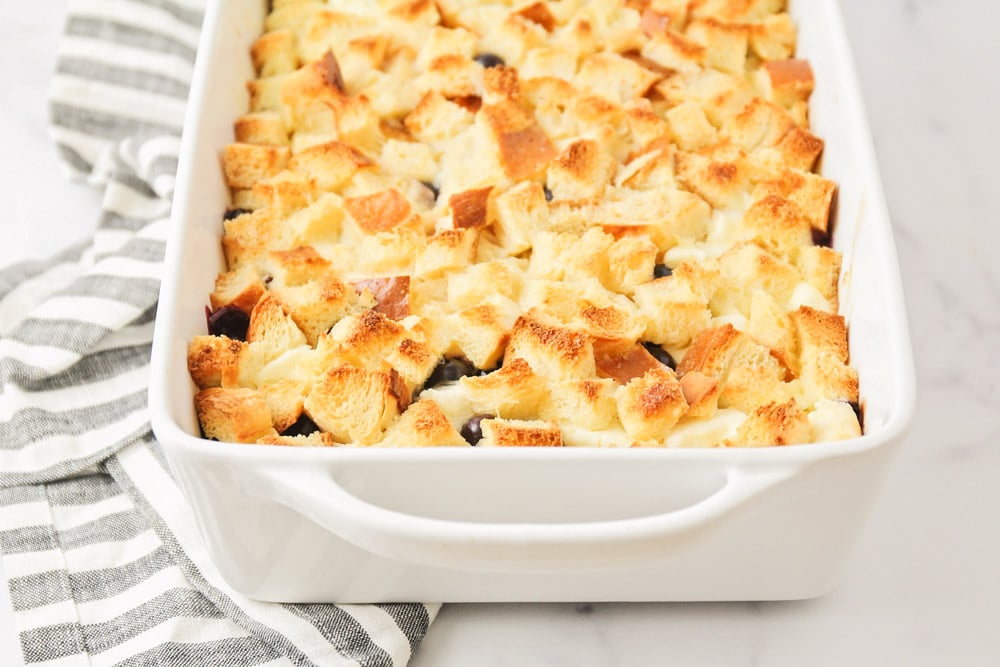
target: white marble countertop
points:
(923, 586)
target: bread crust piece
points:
(519, 433)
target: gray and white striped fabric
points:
(103, 560)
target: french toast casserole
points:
(549, 223)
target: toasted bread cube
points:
(297, 266)
(622, 364)
(378, 212)
(820, 267)
(435, 119)
(423, 424)
(588, 403)
(710, 353)
(284, 400)
(786, 82)
(747, 267)
(442, 41)
(813, 194)
(614, 77)
(736, 10)
(409, 158)
(245, 164)
(770, 326)
(748, 385)
(673, 313)
(356, 405)
(319, 304)
(701, 391)
(233, 414)
(551, 351)
(520, 211)
(518, 433)
(241, 288)
(391, 295)
(630, 263)
(390, 252)
(824, 355)
(777, 225)
(272, 327)
(673, 51)
(265, 93)
(470, 208)
(689, 127)
(774, 424)
(773, 38)
(314, 439)
(271, 334)
(275, 53)
(331, 164)
(760, 124)
(582, 170)
(365, 339)
(725, 43)
(722, 184)
(263, 127)
(650, 405)
(514, 391)
(212, 360)
(285, 192)
(480, 334)
(309, 94)
(448, 250)
(414, 360)
(483, 281)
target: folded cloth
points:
(103, 559)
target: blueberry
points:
(660, 354)
(662, 271)
(472, 430)
(228, 321)
(820, 238)
(488, 60)
(548, 193)
(430, 186)
(234, 213)
(449, 370)
(302, 426)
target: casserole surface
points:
(471, 524)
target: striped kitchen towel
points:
(103, 561)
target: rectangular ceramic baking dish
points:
(473, 524)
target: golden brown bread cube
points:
(650, 405)
(356, 405)
(423, 425)
(212, 360)
(519, 433)
(233, 414)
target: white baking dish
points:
(473, 524)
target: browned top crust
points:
(550, 193)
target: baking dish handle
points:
(488, 546)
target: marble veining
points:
(923, 585)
